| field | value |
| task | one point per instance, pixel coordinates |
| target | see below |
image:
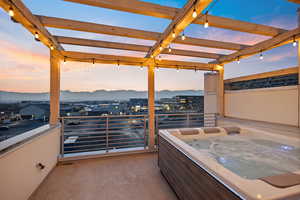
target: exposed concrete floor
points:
(134, 177)
(291, 131)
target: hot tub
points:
(217, 166)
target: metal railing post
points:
(106, 132)
(62, 137)
(145, 132)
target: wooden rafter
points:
(277, 41)
(132, 33)
(181, 20)
(132, 47)
(155, 10)
(295, 1)
(133, 61)
(23, 15)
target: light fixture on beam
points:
(157, 68)
(37, 36)
(173, 34)
(194, 13)
(65, 60)
(159, 58)
(118, 64)
(183, 36)
(294, 41)
(169, 49)
(93, 60)
(206, 21)
(11, 12)
(261, 55)
(51, 47)
(160, 48)
(177, 69)
(238, 60)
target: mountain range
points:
(98, 95)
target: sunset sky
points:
(24, 63)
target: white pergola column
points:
(151, 106)
(54, 87)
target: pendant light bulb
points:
(194, 13)
(11, 12)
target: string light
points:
(183, 36)
(160, 48)
(206, 21)
(173, 34)
(65, 60)
(261, 55)
(36, 36)
(152, 56)
(194, 13)
(169, 49)
(51, 47)
(238, 60)
(294, 42)
(11, 12)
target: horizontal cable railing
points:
(182, 120)
(105, 134)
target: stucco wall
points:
(19, 176)
(276, 105)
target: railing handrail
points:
(99, 116)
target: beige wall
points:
(276, 105)
(210, 93)
(19, 176)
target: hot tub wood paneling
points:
(187, 179)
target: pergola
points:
(192, 12)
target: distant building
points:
(188, 103)
(138, 104)
(35, 111)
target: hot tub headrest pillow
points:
(232, 130)
(211, 130)
(189, 131)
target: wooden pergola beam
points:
(24, 16)
(277, 41)
(133, 61)
(181, 20)
(61, 23)
(155, 10)
(295, 1)
(132, 47)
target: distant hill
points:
(93, 96)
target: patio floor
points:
(133, 177)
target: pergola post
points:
(151, 106)
(220, 91)
(54, 87)
(298, 12)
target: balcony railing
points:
(107, 134)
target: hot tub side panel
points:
(187, 179)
